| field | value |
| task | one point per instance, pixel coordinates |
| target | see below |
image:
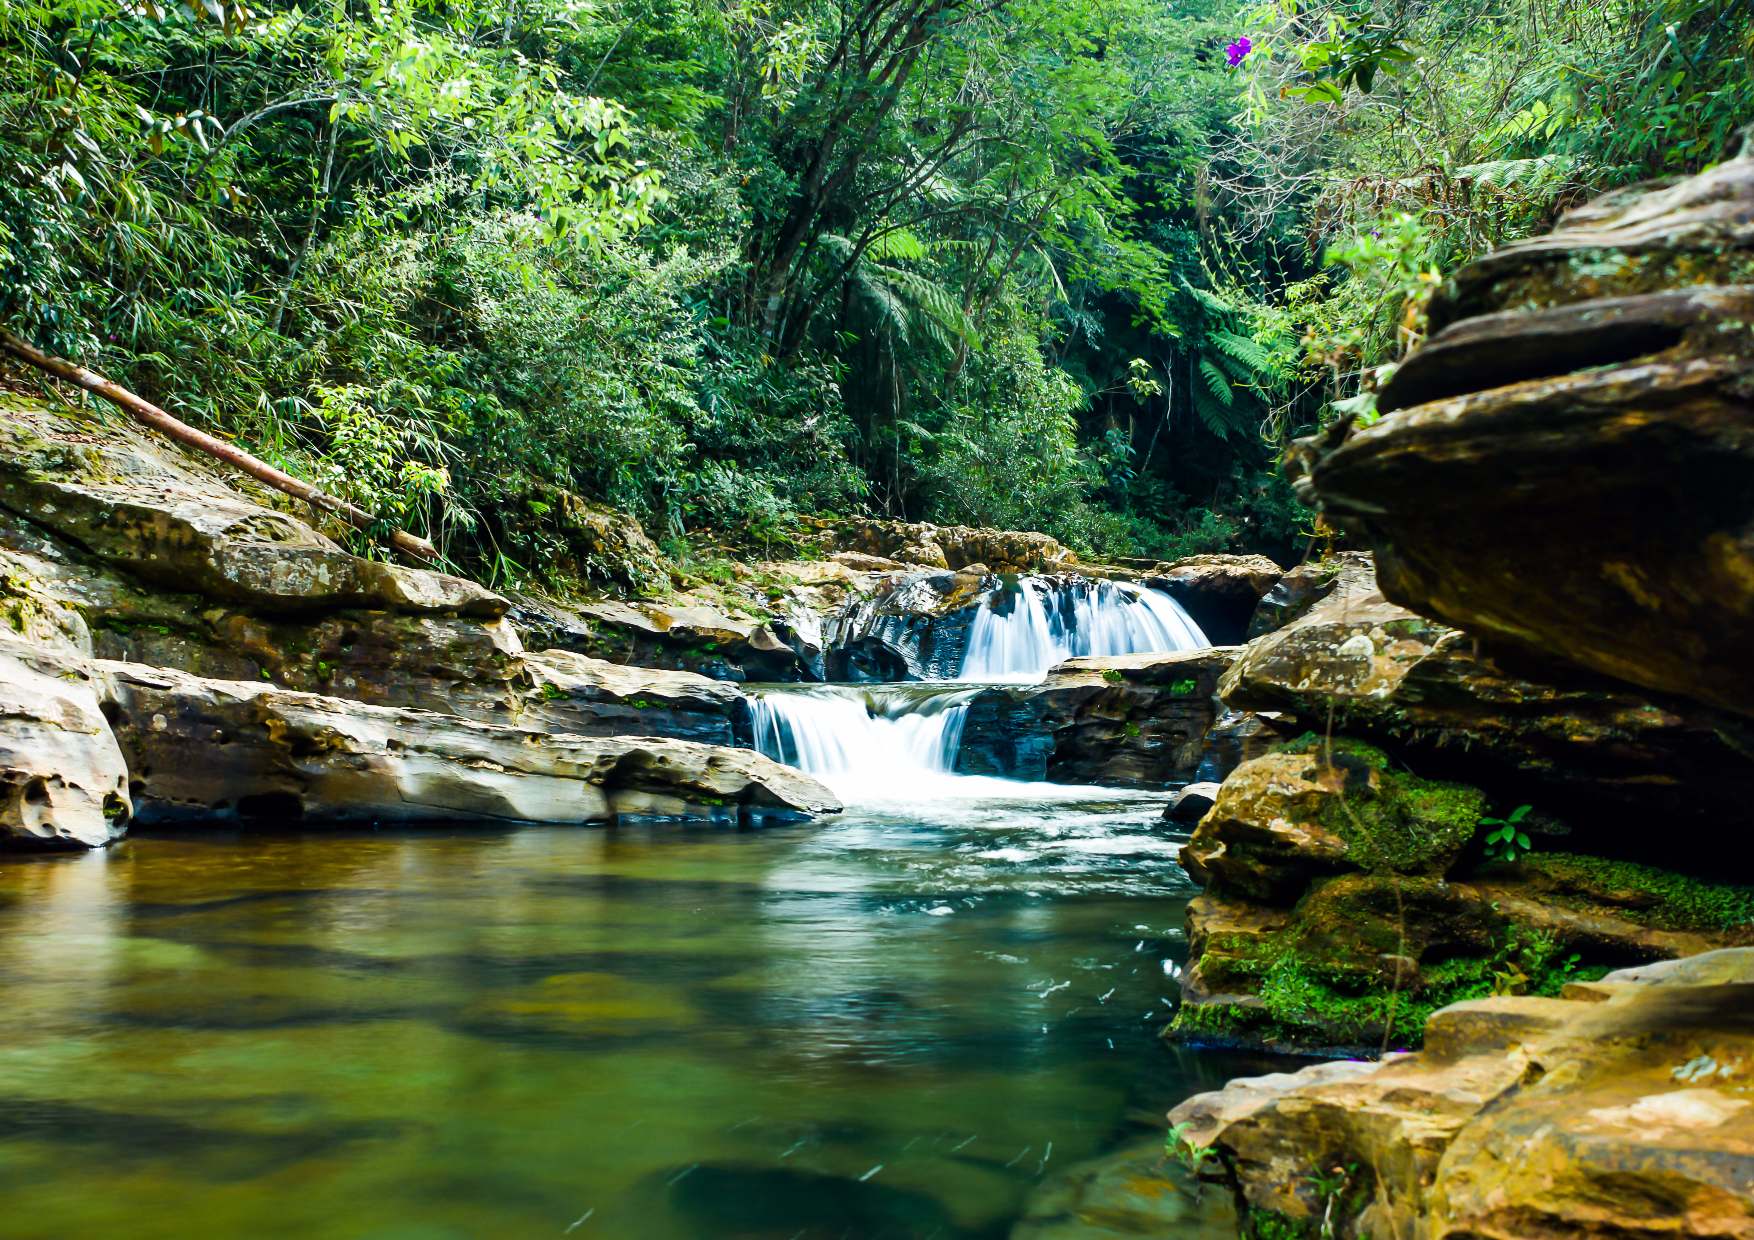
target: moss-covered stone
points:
(1319, 806)
(1661, 899)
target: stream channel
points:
(910, 1020)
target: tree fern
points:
(1216, 383)
(1242, 349)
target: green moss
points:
(1392, 821)
(1660, 899)
(1271, 1225)
(1113, 675)
(1184, 688)
(1339, 746)
(1308, 1003)
(1131, 729)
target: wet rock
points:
(1236, 736)
(1118, 720)
(1617, 1115)
(269, 755)
(1348, 572)
(1358, 664)
(1565, 468)
(1190, 804)
(62, 780)
(1220, 592)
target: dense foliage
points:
(1077, 267)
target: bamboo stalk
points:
(150, 414)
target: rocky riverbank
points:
(1517, 811)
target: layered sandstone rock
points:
(121, 547)
(63, 783)
(1620, 1110)
(1613, 757)
(1119, 720)
(1566, 467)
(202, 750)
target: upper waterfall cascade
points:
(895, 739)
(1020, 633)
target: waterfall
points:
(1021, 631)
(896, 742)
(890, 731)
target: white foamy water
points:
(1019, 634)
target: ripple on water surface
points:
(900, 1023)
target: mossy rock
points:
(1316, 807)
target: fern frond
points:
(1216, 383)
(1242, 349)
(1215, 417)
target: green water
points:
(890, 1024)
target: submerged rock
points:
(1616, 1111)
(1566, 468)
(203, 750)
(63, 783)
(1135, 1191)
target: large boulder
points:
(1566, 468)
(202, 750)
(1120, 720)
(136, 504)
(1611, 756)
(1617, 1111)
(63, 783)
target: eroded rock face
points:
(1566, 468)
(1620, 1110)
(201, 750)
(62, 780)
(1611, 756)
(1219, 591)
(1119, 720)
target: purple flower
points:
(1236, 51)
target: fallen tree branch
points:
(149, 413)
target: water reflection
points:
(890, 1025)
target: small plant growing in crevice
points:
(1507, 840)
(1197, 1159)
(1330, 1189)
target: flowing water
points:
(897, 1023)
(1028, 627)
(904, 1022)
